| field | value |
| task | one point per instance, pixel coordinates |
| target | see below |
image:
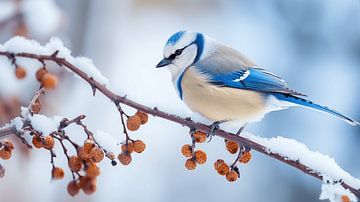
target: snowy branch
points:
(261, 145)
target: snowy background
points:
(315, 45)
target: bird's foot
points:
(214, 126)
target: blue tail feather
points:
(309, 104)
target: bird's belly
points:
(221, 103)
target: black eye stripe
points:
(178, 52)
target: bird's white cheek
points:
(187, 57)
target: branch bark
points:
(116, 99)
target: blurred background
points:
(314, 45)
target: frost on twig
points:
(288, 151)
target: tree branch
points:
(116, 99)
(7, 130)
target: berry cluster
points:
(47, 80)
(232, 172)
(133, 123)
(188, 151)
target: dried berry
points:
(48, 142)
(8, 145)
(127, 147)
(223, 168)
(49, 81)
(139, 146)
(133, 123)
(143, 116)
(190, 164)
(75, 163)
(231, 176)
(73, 188)
(186, 150)
(124, 158)
(96, 154)
(245, 157)
(232, 146)
(92, 170)
(84, 151)
(57, 173)
(87, 184)
(5, 153)
(37, 142)
(40, 74)
(36, 106)
(345, 198)
(20, 72)
(199, 136)
(217, 163)
(200, 156)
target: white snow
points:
(334, 192)
(107, 141)
(20, 44)
(17, 122)
(320, 163)
(45, 124)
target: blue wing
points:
(253, 79)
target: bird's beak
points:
(164, 62)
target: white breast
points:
(221, 103)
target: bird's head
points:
(182, 50)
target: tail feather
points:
(308, 104)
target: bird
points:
(221, 84)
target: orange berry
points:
(96, 154)
(124, 158)
(190, 164)
(73, 188)
(49, 81)
(84, 151)
(245, 157)
(199, 136)
(345, 198)
(5, 153)
(37, 142)
(87, 184)
(223, 168)
(36, 106)
(186, 150)
(232, 146)
(40, 74)
(231, 176)
(217, 163)
(127, 147)
(49, 142)
(133, 123)
(139, 146)
(92, 170)
(200, 156)
(20, 72)
(75, 163)
(143, 116)
(8, 145)
(58, 173)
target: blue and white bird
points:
(222, 84)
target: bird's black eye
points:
(178, 51)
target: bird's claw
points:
(214, 126)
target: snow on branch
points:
(337, 183)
